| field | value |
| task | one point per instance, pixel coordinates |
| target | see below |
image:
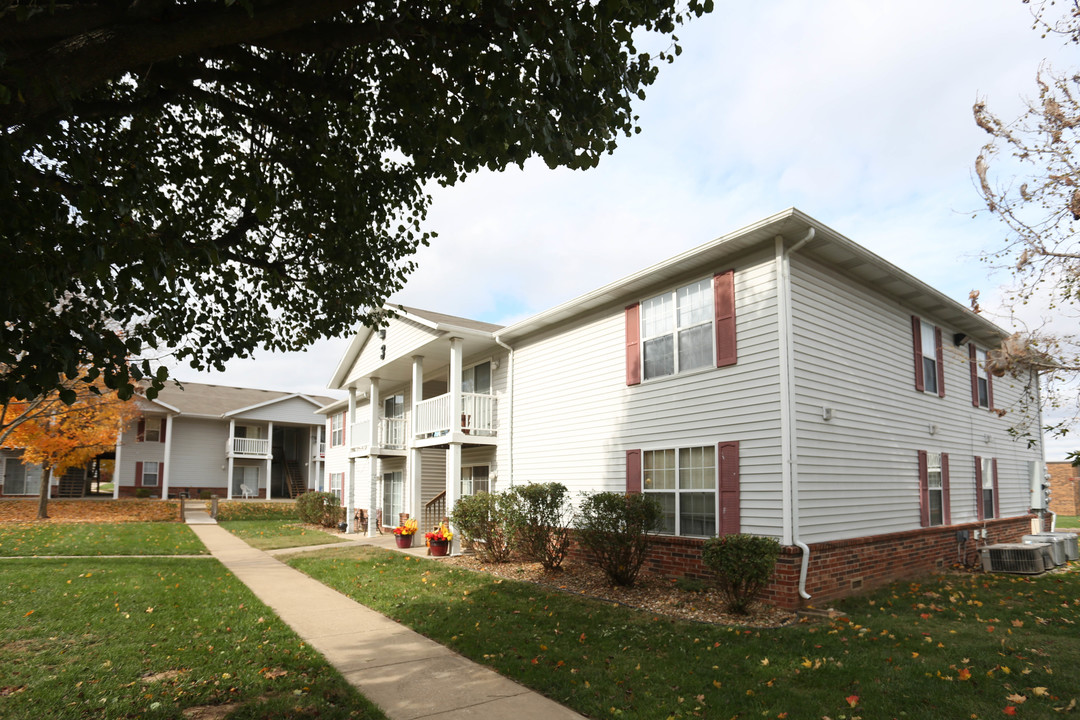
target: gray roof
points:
(217, 400)
(444, 319)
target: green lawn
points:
(966, 646)
(151, 638)
(1068, 521)
(275, 534)
(18, 539)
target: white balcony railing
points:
(478, 415)
(360, 434)
(392, 433)
(320, 451)
(249, 446)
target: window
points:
(982, 389)
(688, 328)
(934, 489)
(245, 476)
(337, 430)
(684, 483)
(337, 484)
(929, 357)
(393, 491)
(394, 406)
(150, 430)
(986, 488)
(677, 330)
(150, 472)
(477, 379)
(475, 479)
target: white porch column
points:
(349, 490)
(169, 428)
(270, 457)
(116, 465)
(374, 409)
(453, 452)
(453, 482)
(416, 504)
(229, 459)
(455, 387)
(373, 461)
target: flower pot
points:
(403, 541)
(439, 548)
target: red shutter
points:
(724, 308)
(946, 504)
(140, 431)
(924, 490)
(633, 344)
(728, 457)
(940, 362)
(973, 364)
(138, 474)
(916, 336)
(164, 422)
(997, 495)
(978, 488)
(633, 471)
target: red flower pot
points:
(403, 541)
(439, 548)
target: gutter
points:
(788, 451)
(510, 411)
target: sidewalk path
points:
(404, 673)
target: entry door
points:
(393, 496)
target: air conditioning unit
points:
(1072, 547)
(1027, 559)
(1057, 546)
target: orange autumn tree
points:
(59, 435)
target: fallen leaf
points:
(852, 700)
(1016, 698)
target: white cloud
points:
(857, 113)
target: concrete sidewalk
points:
(404, 673)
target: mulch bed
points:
(651, 593)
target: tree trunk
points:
(43, 494)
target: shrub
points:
(482, 519)
(539, 522)
(743, 565)
(247, 510)
(142, 493)
(616, 530)
(320, 508)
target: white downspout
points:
(510, 408)
(788, 450)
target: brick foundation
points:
(846, 567)
(1064, 488)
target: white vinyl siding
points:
(403, 337)
(575, 417)
(197, 454)
(297, 411)
(857, 474)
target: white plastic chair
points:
(246, 491)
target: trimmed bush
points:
(616, 531)
(482, 520)
(743, 565)
(142, 493)
(539, 522)
(247, 510)
(320, 508)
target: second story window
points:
(982, 389)
(477, 379)
(337, 430)
(677, 330)
(929, 357)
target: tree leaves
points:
(212, 193)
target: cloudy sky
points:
(857, 113)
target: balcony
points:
(247, 447)
(478, 416)
(390, 434)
